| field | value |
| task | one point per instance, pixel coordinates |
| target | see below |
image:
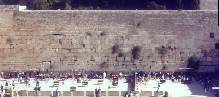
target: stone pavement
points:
(174, 89)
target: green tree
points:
(193, 62)
(10, 2)
(136, 52)
(43, 4)
(155, 6)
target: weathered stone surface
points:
(45, 93)
(22, 93)
(90, 93)
(113, 93)
(146, 93)
(33, 93)
(82, 40)
(78, 93)
(66, 93)
(103, 93)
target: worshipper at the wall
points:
(56, 93)
(37, 83)
(26, 82)
(13, 85)
(104, 75)
(6, 84)
(96, 92)
(2, 88)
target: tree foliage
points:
(115, 49)
(136, 52)
(104, 65)
(162, 50)
(10, 2)
(108, 4)
(46, 4)
(193, 62)
(155, 6)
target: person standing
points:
(26, 81)
(96, 92)
(37, 83)
(6, 84)
(13, 85)
(104, 75)
(2, 88)
(56, 93)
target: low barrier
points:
(24, 93)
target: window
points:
(211, 34)
(217, 46)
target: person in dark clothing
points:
(96, 91)
(56, 93)
(37, 83)
(2, 88)
(13, 85)
(6, 84)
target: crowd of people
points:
(183, 77)
(205, 79)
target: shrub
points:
(162, 50)
(104, 65)
(120, 54)
(102, 33)
(88, 34)
(115, 49)
(50, 66)
(164, 67)
(9, 41)
(193, 62)
(136, 52)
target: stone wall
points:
(83, 40)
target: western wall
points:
(103, 40)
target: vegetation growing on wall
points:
(115, 49)
(162, 50)
(102, 33)
(155, 6)
(136, 52)
(50, 66)
(120, 54)
(9, 41)
(107, 4)
(88, 34)
(104, 65)
(193, 62)
(164, 67)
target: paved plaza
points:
(174, 89)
